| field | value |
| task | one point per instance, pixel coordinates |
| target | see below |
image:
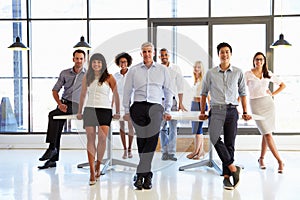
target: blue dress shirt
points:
(224, 86)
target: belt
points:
(66, 101)
(222, 106)
(143, 102)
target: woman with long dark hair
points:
(97, 84)
(261, 103)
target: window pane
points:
(287, 7)
(245, 41)
(14, 109)
(51, 53)
(239, 37)
(118, 36)
(52, 49)
(11, 60)
(286, 67)
(221, 8)
(186, 45)
(42, 102)
(58, 8)
(14, 86)
(118, 9)
(178, 8)
(6, 9)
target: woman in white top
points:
(97, 84)
(124, 60)
(197, 126)
(261, 103)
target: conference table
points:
(194, 116)
(176, 115)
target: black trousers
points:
(55, 126)
(224, 119)
(146, 119)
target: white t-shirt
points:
(176, 77)
(197, 89)
(259, 87)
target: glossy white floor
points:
(21, 180)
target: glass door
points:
(188, 43)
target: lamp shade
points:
(18, 45)
(281, 42)
(82, 44)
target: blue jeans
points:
(168, 137)
(223, 118)
(197, 126)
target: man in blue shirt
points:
(226, 85)
(148, 82)
(69, 79)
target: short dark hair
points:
(223, 44)
(78, 51)
(123, 55)
(163, 49)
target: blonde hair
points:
(201, 71)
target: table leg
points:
(209, 163)
(109, 161)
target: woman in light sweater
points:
(97, 84)
(261, 103)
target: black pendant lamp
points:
(82, 44)
(18, 45)
(281, 42)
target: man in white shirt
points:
(168, 137)
(147, 82)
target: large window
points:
(286, 67)
(14, 75)
(58, 9)
(232, 8)
(178, 8)
(52, 28)
(118, 9)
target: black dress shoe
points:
(236, 176)
(148, 182)
(138, 182)
(48, 164)
(48, 154)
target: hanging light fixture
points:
(18, 45)
(281, 42)
(82, 44)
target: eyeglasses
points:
(259, 59)
(121, 62)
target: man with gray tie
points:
(147, 81)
